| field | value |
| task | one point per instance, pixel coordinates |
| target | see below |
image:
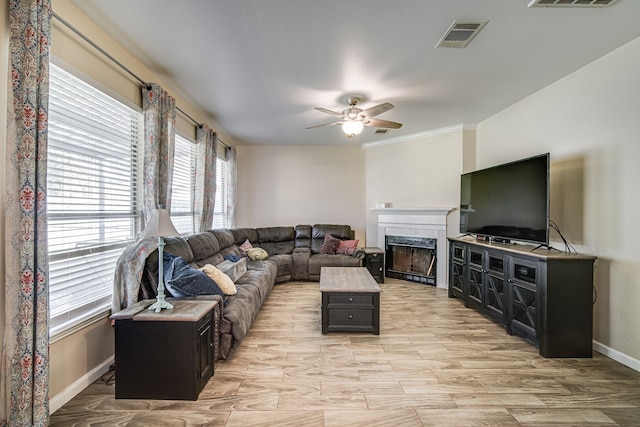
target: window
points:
(182, 196)
(92, 200)
(183, 185)
(220, 217)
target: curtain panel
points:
(24, 380)
(232, 167)
(205, 178)
(159, 110)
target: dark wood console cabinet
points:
(543, 296)
(165, 355)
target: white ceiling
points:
(258, 67)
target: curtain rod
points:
(120, 64)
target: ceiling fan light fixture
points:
(352, 127)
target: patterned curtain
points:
(205, 179)
(24, 378)
(232, 166)
(159, 111)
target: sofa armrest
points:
(359, 253)
(300, 257)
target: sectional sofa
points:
(294, 253)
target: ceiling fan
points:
(353, 119)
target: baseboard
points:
(56, 402)
(617, 356)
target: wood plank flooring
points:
(435, 363)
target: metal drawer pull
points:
(350, 299)
(351, 316)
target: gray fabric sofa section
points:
(293, 255)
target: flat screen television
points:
(507, 202)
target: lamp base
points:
(159, 305)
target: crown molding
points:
(426, 134)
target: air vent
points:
(460, 33)
(381, 131)
(571, 3)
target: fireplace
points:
(411, 258)
(415, 243)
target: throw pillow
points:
(330, 245)
(245, 247)
(182, 280)
(257, 253)
(224, 282)
(347, 247)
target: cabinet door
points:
(457, 273)
(475, 296)
(523, 286)
(495, 287)
(375, 265)
(205, 349)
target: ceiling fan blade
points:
(378, 109)
(377, 123)
(325, 124)
(324, 110)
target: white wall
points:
(419, 173)
(287, 186)
(588, 121)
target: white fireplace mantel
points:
(418, 222)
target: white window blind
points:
(222, 182)
(92, 196)
(182, 194)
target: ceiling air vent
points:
(460, 33)
(571, 3)
(381, 131)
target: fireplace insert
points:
(411, 258)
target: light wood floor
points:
(435, 363)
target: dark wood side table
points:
(165, 355)
(374, 262)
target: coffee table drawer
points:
(350, 299)
(350, 317)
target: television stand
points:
(546, 298)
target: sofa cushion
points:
(224, 237)
(330, 245)
(317, 261)
(242, 234)
(276, 240)
(182, 280)
(223, 281)
(303, 236)
(203, 246)
(285, 266)
(347, 247)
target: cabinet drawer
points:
(349, 298)
(350, 317)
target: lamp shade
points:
(352, 127)
(160, 225)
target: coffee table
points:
(350, 300)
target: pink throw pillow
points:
(245, 247)
(347, 247)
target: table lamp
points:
(160, 226)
